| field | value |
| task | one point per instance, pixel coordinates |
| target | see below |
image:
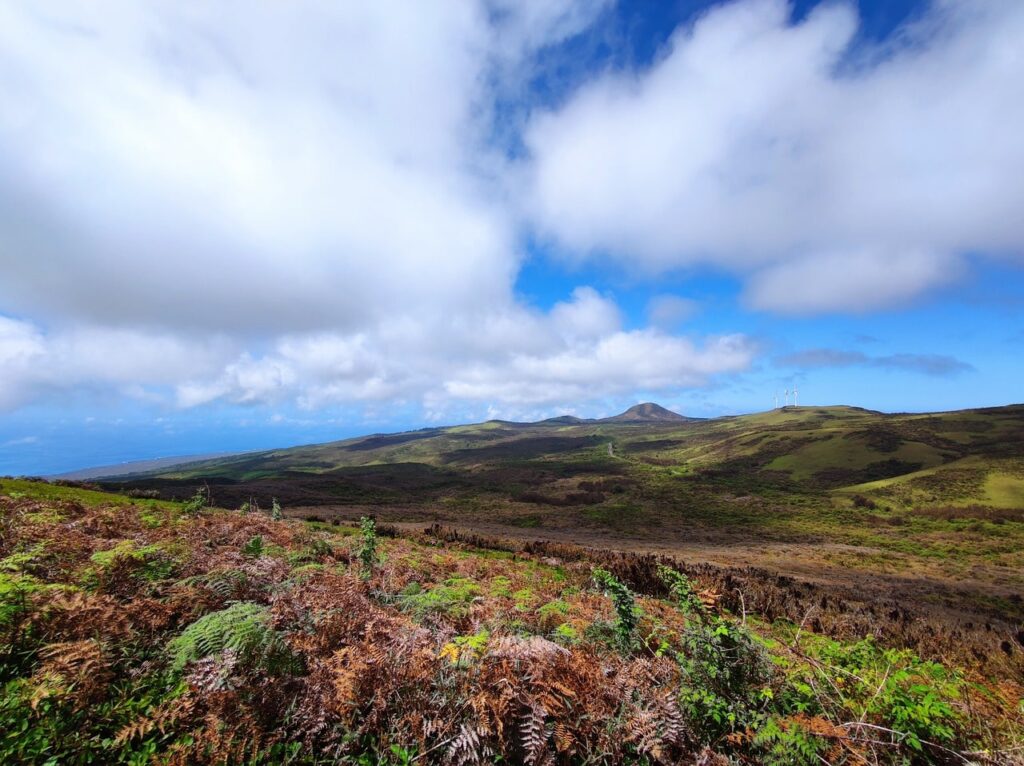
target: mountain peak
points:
(647, 412)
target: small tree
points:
(275, 510)
(727, 675)
(367, 551)
(625, 607)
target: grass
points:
(45, 491)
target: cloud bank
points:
(314, 203)
(829, 178)
(937, 365)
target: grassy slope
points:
(925, 506)
(808, 441)
(441, 653)
(790, 455)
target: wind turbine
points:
(776, 398)
(787, 396)
(794, 394)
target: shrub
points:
(151, 494)
(195, 504)
(367, 551)
(900, 691)
(859, 501)
(275, 510)
(625, 607)
(727, 676)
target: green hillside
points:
(935, 502)
(960, 458)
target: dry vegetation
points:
(167, 633)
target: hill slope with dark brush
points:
(966, 457)
(920, 506)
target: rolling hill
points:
(927, 506)
(956, 458)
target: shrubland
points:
(156, 632)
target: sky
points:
(234, 225)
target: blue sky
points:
(324, 222)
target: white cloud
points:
(758, 146)
(576, 352)
(37, 364)
(587, 316)
(246, 167)
(271, 204)
(856, 281)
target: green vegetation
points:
(244, 630)
(625, 608)
(367, 552)
(450, 599)
(197, 502)
(227, 638)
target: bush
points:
(900, 691)
(625, 608)
(367, 551)
(727, 676)
(195, 504)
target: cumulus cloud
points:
(829, 177)
(307, 202)
(256, 204)
(938, 365)
(132, 362)
(245, 168)
(576, 352)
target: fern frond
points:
(244, 628)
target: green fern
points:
(243, 628)
(225, 583)
(254, 548)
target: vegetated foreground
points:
(156, 632)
